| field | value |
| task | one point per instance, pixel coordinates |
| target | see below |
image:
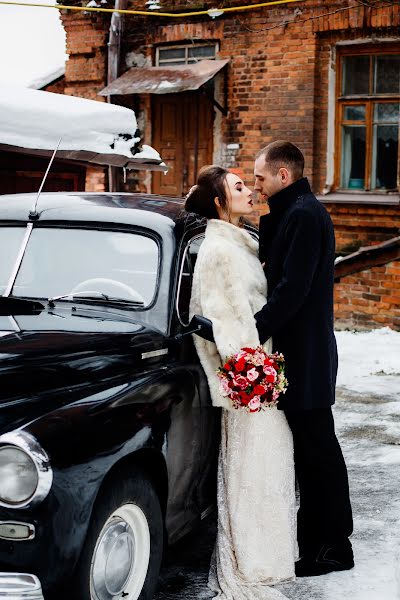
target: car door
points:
(193, 467)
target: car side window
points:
(186, 279)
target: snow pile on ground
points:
(369, 361)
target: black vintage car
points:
(108, 441)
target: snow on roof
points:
(34, 119)
(40, 82)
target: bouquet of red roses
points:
(253, 379)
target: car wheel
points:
(123, 548)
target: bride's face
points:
(238, 196)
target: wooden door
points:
(183, 135)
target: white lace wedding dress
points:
(256, 540)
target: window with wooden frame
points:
(367, 134)
(186, 54)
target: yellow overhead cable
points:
(148, 13)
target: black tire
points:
(127, 488)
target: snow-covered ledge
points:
(90, 131)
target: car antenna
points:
(33, 214)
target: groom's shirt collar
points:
(282, 200)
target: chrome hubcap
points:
(121, 557)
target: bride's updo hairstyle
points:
(210, 185)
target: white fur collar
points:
(228, 231)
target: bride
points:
(256, 541)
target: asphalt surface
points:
(368, 428)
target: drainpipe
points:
(114, 57)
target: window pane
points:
(384, 156)
(171, 53)
(202, 52)
(57, 261)
(387, 112)
(354, 113)
(387, 74)
(353, 157)
(355, 75)
(185, 286)
(10, 243)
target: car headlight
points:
(18, 475)
(25, 472)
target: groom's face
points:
(267, 183)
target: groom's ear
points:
(284, 176)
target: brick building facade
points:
(324, 74)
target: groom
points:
(297, 245)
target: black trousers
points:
(325, 515)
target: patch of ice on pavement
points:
(369, 362)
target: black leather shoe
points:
(329, 558)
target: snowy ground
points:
(367, 417)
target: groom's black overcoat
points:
(297, 244)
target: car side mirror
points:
(203, 327)
(200, 326)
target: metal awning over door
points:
(164, 80)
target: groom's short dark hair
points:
(283, 154)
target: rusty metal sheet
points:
(164, 80)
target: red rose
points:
(240, 365)
(259, 390)
(244, 398)
(227, 367)
(249, 350)
(270, 378)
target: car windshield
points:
(84, 262)
(10, 242)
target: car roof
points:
(140, 209)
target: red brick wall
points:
(86, 69)
(277, 87)
(363, 225)
(370, 298)
(277, 77)
(96, 179)
(57, 87)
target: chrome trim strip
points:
(207, 511)
(31, 529)
(155, 353)
(178, 291)
(18, 261)
(14, 323)
(20, 586)
(31, 446)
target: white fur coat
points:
(229, 287)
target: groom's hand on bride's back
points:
(262, 333)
